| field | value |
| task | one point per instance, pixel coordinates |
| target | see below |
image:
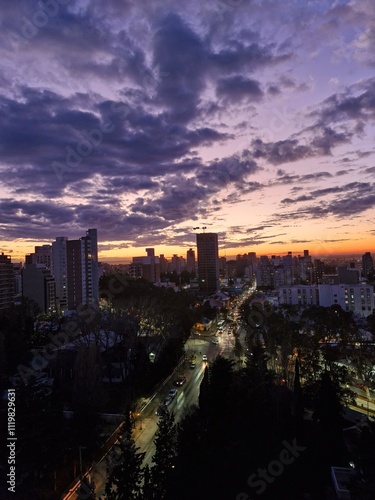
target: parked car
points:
(181, 380)
(172, 393)
(167, 401)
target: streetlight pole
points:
(80, 460)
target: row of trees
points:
(139, 316)
(224, 446)
(320, 337)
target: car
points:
(161, 411)
(172, 393)
(181, 380)
(192, 364)
(167, 401)
(204, 357)
(215, 341)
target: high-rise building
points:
(190, 261)
(146, 267)
(17, 268)
(163, 264)
(357, 298)
(38, 284)
(90, 268)
(318, 271)
(348, 275)
(6, 281)
(367, 264)
(60, 271)
(76, 270)
(265, 272)
(42, 255)
(178, 264)
(75, 274)
(208, 262)
(223, 268)
(306, 268)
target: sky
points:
(150, 119)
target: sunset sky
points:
(146, 119)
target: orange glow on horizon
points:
(18, 249)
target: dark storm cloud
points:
(284, 178)
(219, 173)
(353, 188)
(237, 88)
(343, 172)
(53, 129)
(346, 106)
(291, 84)
(83, 33)
(273, 90)
(160, 82)
(345, 207)
(337, 120)
(369, 170)
(280, 152)
(341, 207)
(32, 219)
(236, 56)
(292, 150)
(181, 56)
(257, 228)
(182, 197)
(289, 201)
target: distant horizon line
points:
(128, 260)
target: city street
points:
(146, 423)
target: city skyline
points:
(253, 119)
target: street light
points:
(80, 458)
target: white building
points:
(356, 298)
(305, 295)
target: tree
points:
(298, 401)
(191, 455)
(329, 416)
(165, 455)
(125, 472)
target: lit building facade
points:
(6, 281)
(76, 270)
(357, 298)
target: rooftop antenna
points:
(203, 228)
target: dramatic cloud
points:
(146, 119)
